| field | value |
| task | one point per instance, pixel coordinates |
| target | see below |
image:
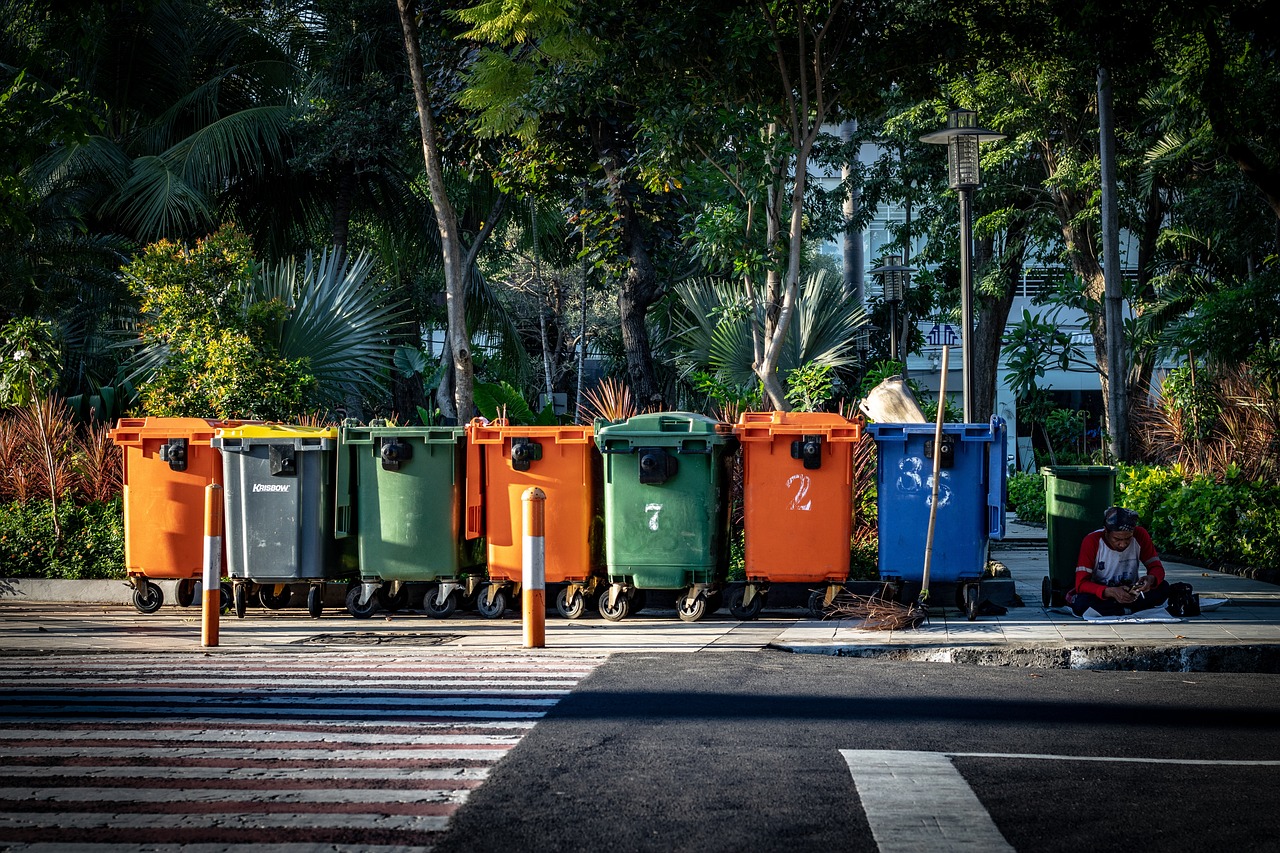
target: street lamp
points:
(894, 281)
(962, 136)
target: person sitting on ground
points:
(1109, 576)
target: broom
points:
(879, 612)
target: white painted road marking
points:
(916, 801)
(919, 801)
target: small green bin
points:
(400, 494)
(666, 512)
(1075, 498)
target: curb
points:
(1250, 658)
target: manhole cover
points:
(372, 638)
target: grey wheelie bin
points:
(279, 495)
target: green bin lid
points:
(1077, 471)
(662, 428)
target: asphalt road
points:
(743, 752)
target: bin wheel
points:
(971, 601)
(147, 597)
(391, 603)
(637, 601)
(745, 612)
(691, 611)
(269, 598)
(1046, 592)
(620, 608)
(495, 607)
(571, 603)
(315, 600)
(186, 592)
(715, 601)
(239, 599)
(358, 610)
(816, 599)
(435, 606)
(224, 598)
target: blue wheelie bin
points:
(972, 484)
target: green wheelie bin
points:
(400, 495)
(1075, 498)
(666, 509)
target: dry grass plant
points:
(875, 612)
(610, 400)
(1245, 433)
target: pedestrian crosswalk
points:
(360, 750)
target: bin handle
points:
(997, 480)
(474, 481)
(342, 500)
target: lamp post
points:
(894, 281)
(962, 136)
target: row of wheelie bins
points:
(399, 511)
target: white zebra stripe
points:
(231, 754)
(254, 774)
(233, 698)
(45, 712)
(237, 795)
(222, 820)
(490, 685)
(82, 847)
(192, 720)
(276, 738)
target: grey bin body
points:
(279, 517)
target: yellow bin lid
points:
(284, 432)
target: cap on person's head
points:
(1119, 518)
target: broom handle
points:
(937, 466)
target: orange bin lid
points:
(132, 432)
(763, 426)
(494, 432)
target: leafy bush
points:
(1145, 489)
(1026, 497)
(91, 545)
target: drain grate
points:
(373, 638)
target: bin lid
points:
(283, 432)
(426, 434)
(133, 431)
(762, 426)
(1078, 470)
(495, 432)
(966, 432)
(665, 428)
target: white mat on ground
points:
(1155, 614)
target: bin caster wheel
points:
(620, 608)
(275, 596)
(358, 610)
(971, 601)
(392, 602)
(224, 598)
(817, 599)
(745, 612)
(492, 604)
(437, 607)
(239, 600)
(637, 601)
(186, 592)
(571, 603)
(691, 611)
(315, 600)
(147, 597)
(1046, 592)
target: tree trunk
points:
(851, 239)
(343, 201)
(452, 249)
(993, 316)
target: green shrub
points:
(1145, 489)
(91, 547)
(1026, 497)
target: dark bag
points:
(1182, 601)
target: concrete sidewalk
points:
(1241, 636)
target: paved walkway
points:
(1243, 635)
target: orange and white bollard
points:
(533, 598)
(212, 599)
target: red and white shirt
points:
(1100, 566)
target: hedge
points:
(91, 545)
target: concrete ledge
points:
(39, 590)
(1258, 657)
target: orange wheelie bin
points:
(168, 462)
(502, 462)
(798, 504)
